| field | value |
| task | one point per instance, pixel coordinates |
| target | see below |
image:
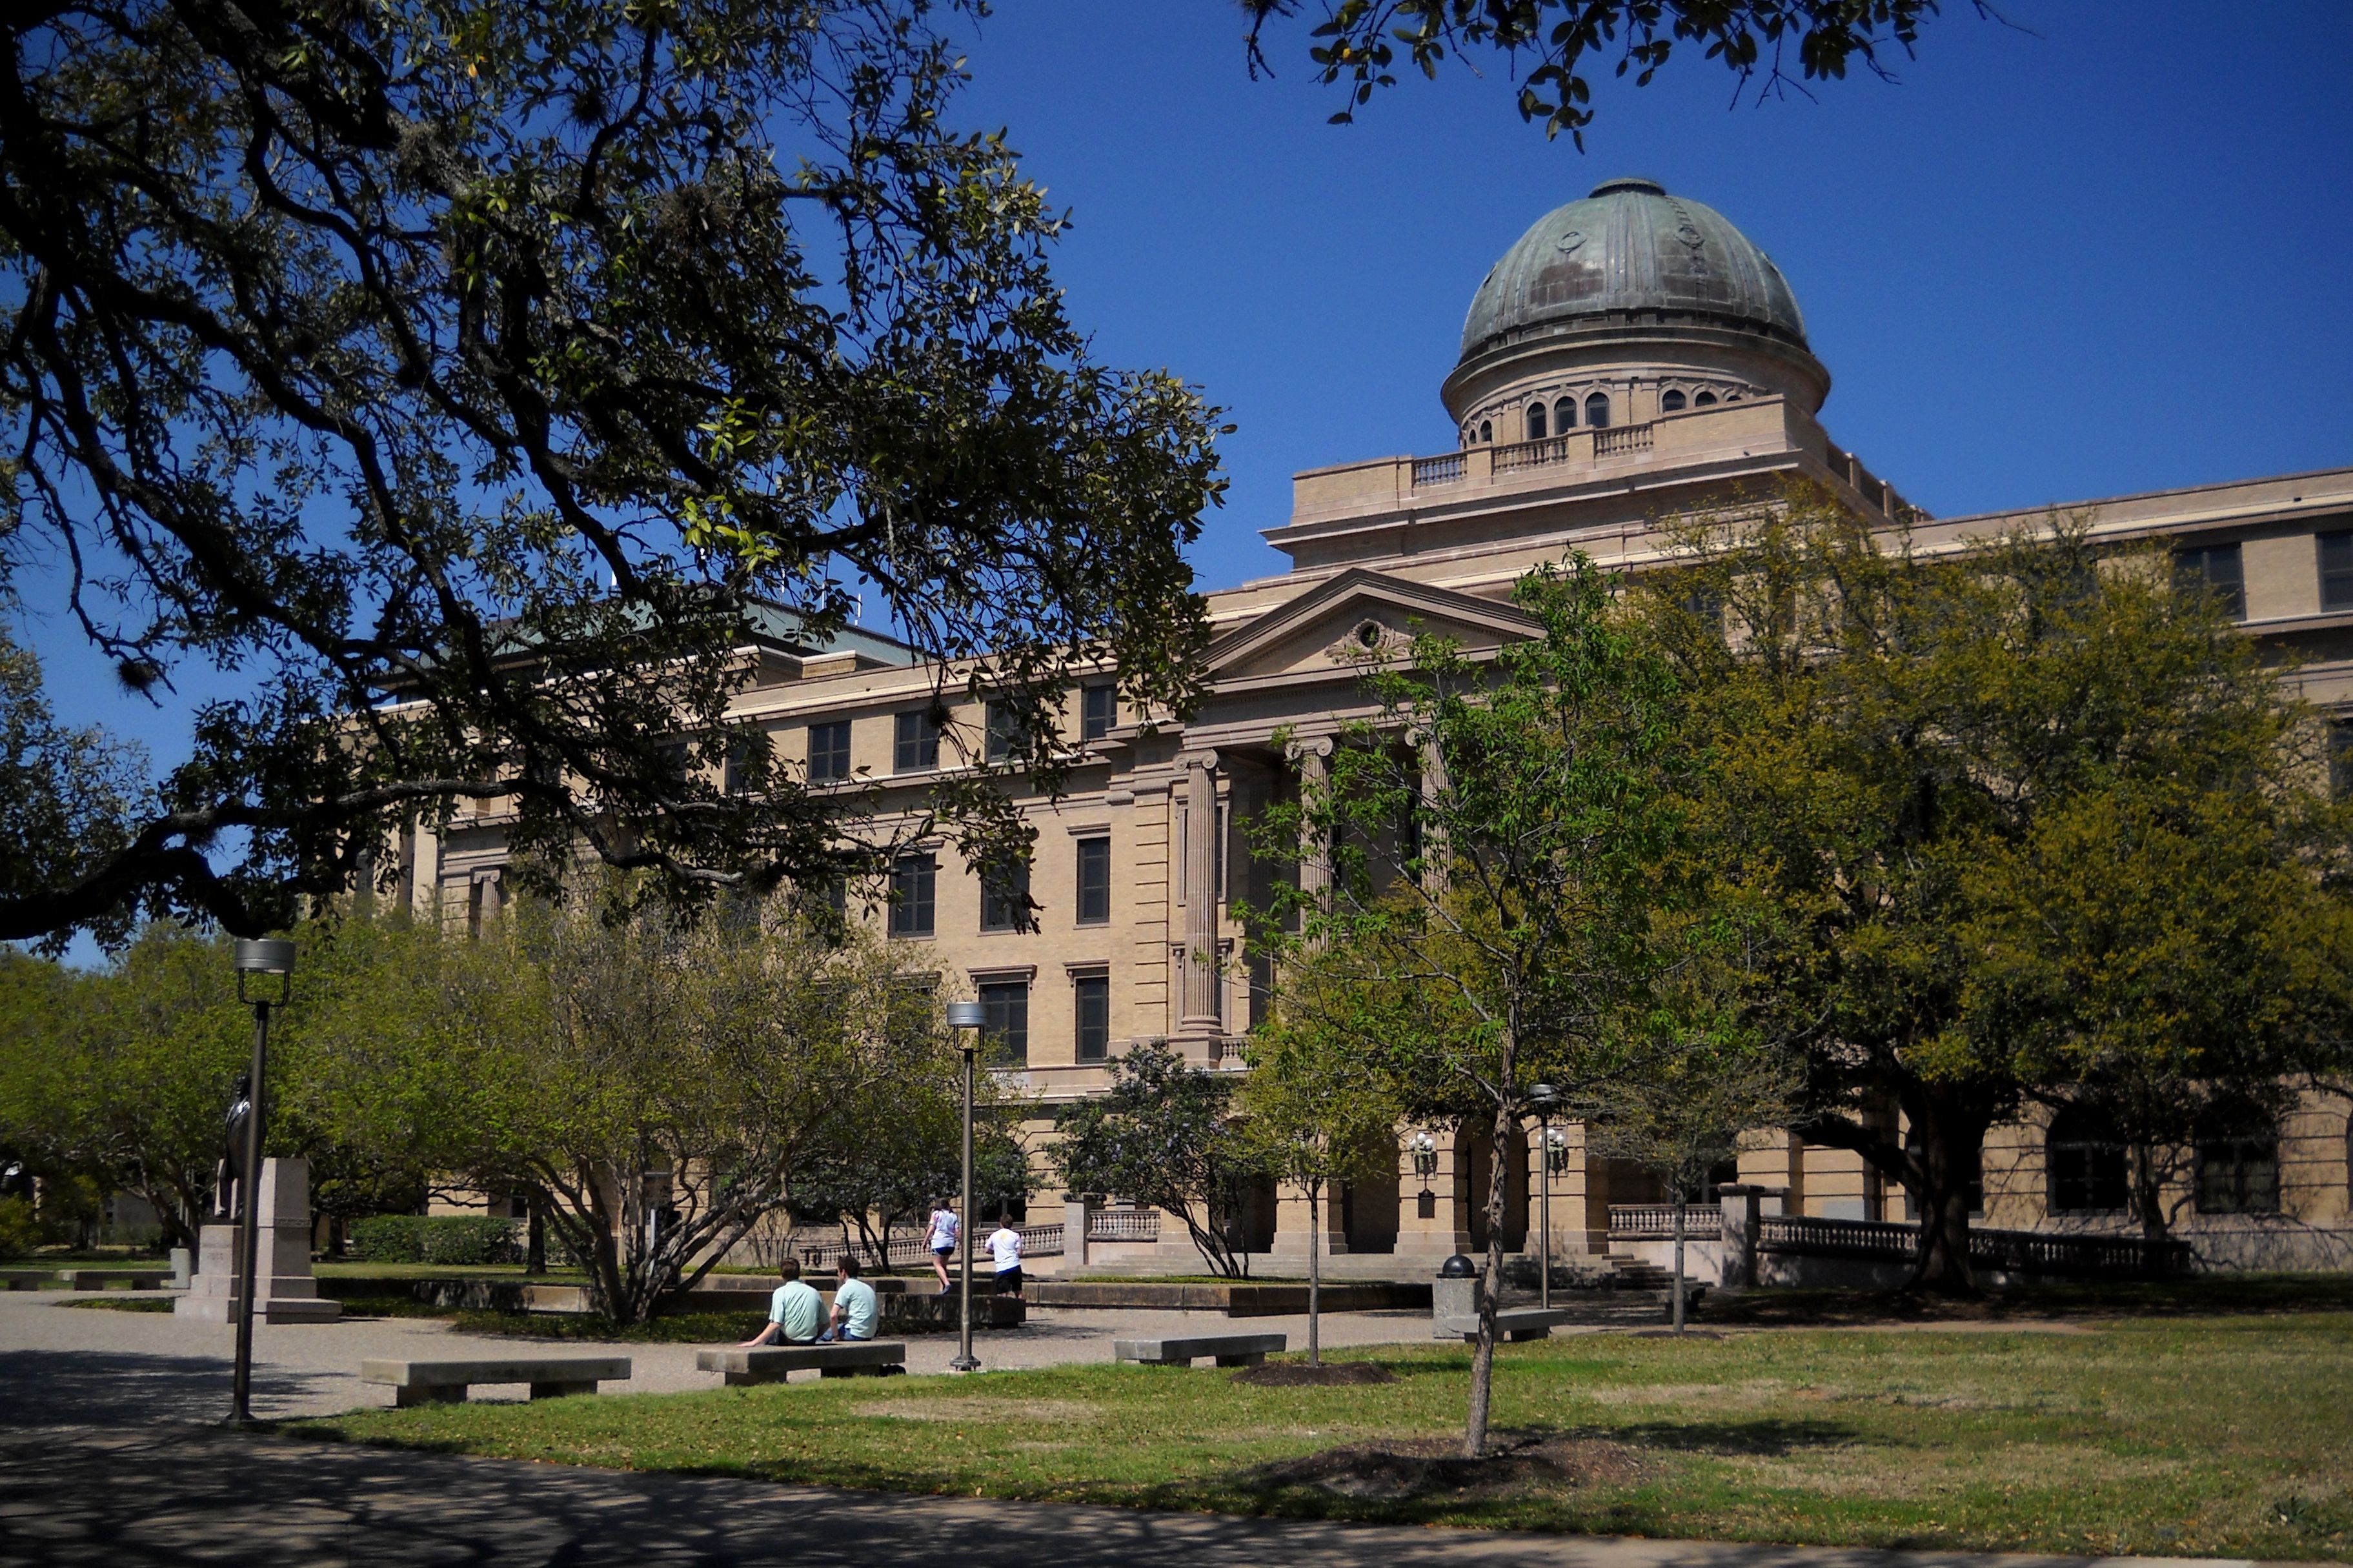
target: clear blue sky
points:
(2107, 255)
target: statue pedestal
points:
(283, 1289)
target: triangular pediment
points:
(1337, 622)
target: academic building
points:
(1632, 357)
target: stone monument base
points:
(283, 1290)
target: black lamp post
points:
(265, 979)
(1544, 1099)
(1425, 1165)
(967, 1019)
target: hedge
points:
(457, 1240)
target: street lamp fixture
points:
(265, 979)
(1425, 1165)
(967, 1019)
(1544, 1099)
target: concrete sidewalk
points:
(129, 1497)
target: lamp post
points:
(259, 962)
(1544, 1098)
(1425, 1165)
(966, 1018)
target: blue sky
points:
(2104, 252)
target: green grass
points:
(350, 1269)
(124, 1302)
(2226, 1437)
(669, 1328)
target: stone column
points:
(1076, 1211)
(1312, 759)
(1198, 1017)
(1433, 844)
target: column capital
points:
(1306, 746)
(1202, 758)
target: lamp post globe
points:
(265, 979)
(967, 1019)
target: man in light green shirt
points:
(793, 1312)
(855, 1309)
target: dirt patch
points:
(1434, 1466)
(1331, 1374)
(1037, 1412)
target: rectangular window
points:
(2337, 571)
(828, 759)
(914, 887)
(1098, 711)
(1006, 734)
(1091, 1000)
(736, 774)
(1094, 881)
(2340, 760)
(1005, 898)
(2238, 1175)
(915, 744)
(2216, 568)
(1005, 1028)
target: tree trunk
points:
(1315, 1278)
(2149, 1195)
(1942, 1262)
(1482, 1357)
(1679, 1260)
(534, 1256)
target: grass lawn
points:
(352, 1270)
(2217, 1435)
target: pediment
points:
(1337, 623)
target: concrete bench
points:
(1512, 1323)
(445, 1381)
(1229, 1349)
(771, 1363)
(100, 1278)
(28, 1279)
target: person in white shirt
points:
(1004, 1245)
(945, 1232)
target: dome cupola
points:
(1650, 301)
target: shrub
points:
(20, 1228)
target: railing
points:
(907, 1247)
(1441, 471)
(1656, 1222)
(1617, 440)
(2012, 1251)
(1124, 1225)
(1531, 455)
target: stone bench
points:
(445, 1381)
(100, 1278)
(28, 1279)
(1229, 1349)
(1511, 1323)
(771, 1363)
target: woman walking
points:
(942, 1239)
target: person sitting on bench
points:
(855, 1309)
(794, 1311)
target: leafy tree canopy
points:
(479, 378)
(1553, 47)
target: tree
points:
(1166, 1134)
(1552, 46)
(651, 1089)
(1685, 1116)
(123, 1077)
(525, 362)
(908, 1154)
(1511, 877)
(65, 795)
(1321, 1114)
(2016, 806)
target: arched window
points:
(1671, 402)
(1564, 416)
(1487, 430)
(1597, 411)
(1535, 421)
(2238, 1165)
(2085, 1161)
(1705, 400)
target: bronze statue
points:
(231, 1169)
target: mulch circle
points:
(1395, 1472)
(1298, 1375)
